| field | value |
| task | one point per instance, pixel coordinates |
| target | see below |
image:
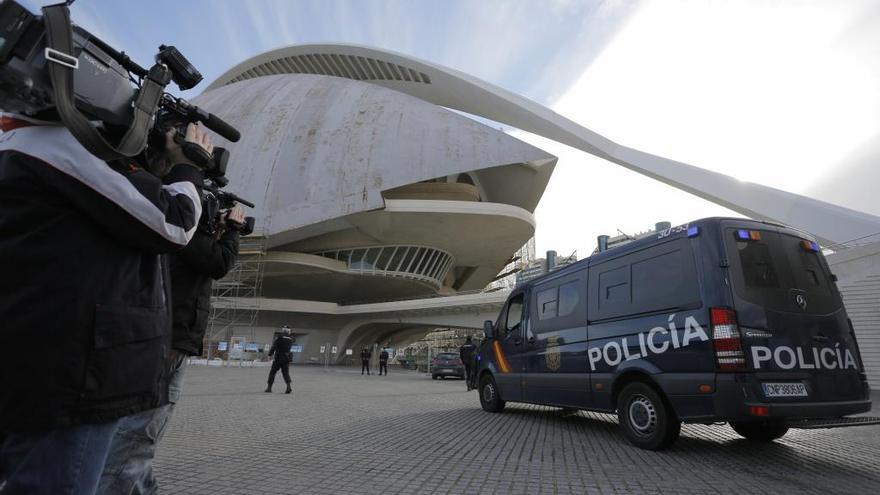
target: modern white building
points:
(358, 167)
(367, 195)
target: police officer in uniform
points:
(281, 349)
(365, 360)
(383, 361)
(467, 352)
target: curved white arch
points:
(447, 87)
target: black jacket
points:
(84, 314)
(366, 355)
(281, 348)
(466, 352)
(383, 357)
(192, 270)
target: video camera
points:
(51, 69)
(218, 203)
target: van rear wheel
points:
(648, 422)
(760, 431)
(489, 398)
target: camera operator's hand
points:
(194, 134)
(235, 217)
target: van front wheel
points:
(489, 398)
(760, 431)
(646, 419)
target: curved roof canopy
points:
(447, 87)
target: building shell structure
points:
(366, 195)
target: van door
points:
(556, 343)
(508, 348)
(792, 322)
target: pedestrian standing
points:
(466, 352)
(365, 360)
(383, 361)
(281, 350)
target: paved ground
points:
(343, 433)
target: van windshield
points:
(771, 269)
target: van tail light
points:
(759, 410)
(726, 340)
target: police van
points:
(720, 320)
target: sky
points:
(785, 93)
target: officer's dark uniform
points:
(281, 350)
(383, 362)
(467, 352)
(365, 360)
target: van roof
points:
(679, 230)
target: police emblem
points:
(551, 354)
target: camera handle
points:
(197, 155)
(59, 38)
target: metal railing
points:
(422, 263)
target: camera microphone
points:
(211, 121)
(219, 126)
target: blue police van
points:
(721, 320)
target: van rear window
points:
(771, 268)
(759, 270)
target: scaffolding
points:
(230, 315)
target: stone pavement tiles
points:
(340, 432)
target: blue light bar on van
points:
(748, 235)
(810, 246)
(693, 231)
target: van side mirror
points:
(489, 329)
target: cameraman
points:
(210, 255)
(81, 245)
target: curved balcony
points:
(459, 191)
(421, 263)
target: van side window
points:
(560, 303)
(658, 278)
(568, 298)
(614, 287)
(546, 301)
(514, 313)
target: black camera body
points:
(216, 205)
(101, 84)
(36, 52)
(106, 82)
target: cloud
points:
(854, 180)
(773, 94)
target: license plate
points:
(784, 390)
